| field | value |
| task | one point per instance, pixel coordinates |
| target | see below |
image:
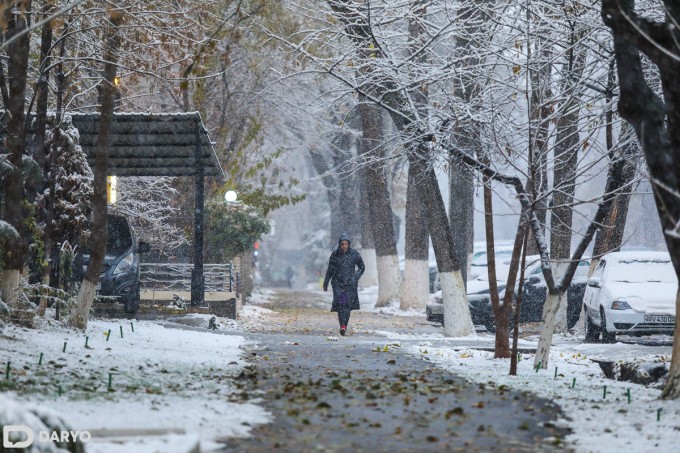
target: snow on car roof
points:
(636, 256)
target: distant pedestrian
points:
(345, 268)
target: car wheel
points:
(132, 306)
(592, 331)
(607, 337)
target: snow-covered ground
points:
(600, 423)
(162, 380)
(181, 381)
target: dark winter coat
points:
(344, 271)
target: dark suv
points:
(119, 278)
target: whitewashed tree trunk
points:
(561, 318)
(88, 287)
(84, 300)
(416, 288)
(457, 320)
(380, 213)
(10, 280)
(552, 305)
(370, 277)
(388, 275)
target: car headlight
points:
(125, 264)
(621, 304)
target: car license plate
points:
(660, 319)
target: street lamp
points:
(230, 196)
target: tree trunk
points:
(461, 209)
(610, 237)
(380, 210)
(17, 72)
(415, 289)
(656, 121)
(370, 277)
(39, 138)
(518, 303)
(457, 320)
(540, 73)
(564, 173)
(553, 301)
(501, 313)
(88, 287)
(347, 183)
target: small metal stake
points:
(133, 326)
(555, 372)
(108, 334)
(64, 349)
(110, 377)
(573, 383)
(86, 340)
(628, 395)
(604, 393)
(9, 364)
(538, 367)
(658, 414)
(40, 359)
(121, 331)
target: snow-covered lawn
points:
(601, 422)
(161, 379)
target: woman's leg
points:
(343, 316)
(347, 313)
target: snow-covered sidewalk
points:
(139, 378)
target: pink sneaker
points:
(343, 329)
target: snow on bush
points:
(38, 419)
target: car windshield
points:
(119, 238)
(641, 270)
(480, 259)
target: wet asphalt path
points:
(343, 396)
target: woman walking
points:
(345, 267)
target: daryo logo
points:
(22, 436)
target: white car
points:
(632, 293)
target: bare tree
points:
(655, 118)
(16, 16)
(86, 294)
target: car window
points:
(599, 272)
(119, 236)
(582, 269)
(480, 258)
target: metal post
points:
(231, 276)
(197, 280)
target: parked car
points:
(631, 293)
(533, 295)
(479, 261)
(119, 278)
(478, 295)
(536, 290)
